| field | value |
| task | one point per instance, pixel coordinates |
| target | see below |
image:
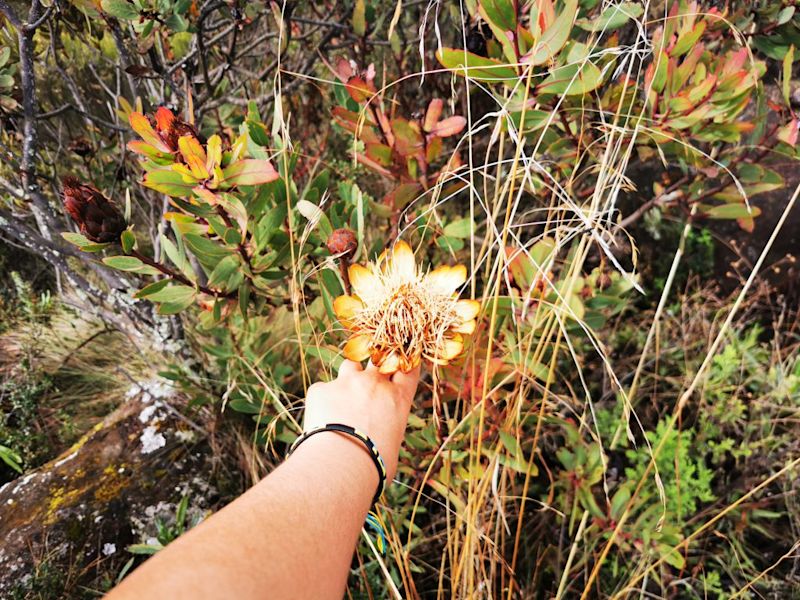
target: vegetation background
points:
(618, 177)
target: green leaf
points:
(660, 76)
(130, 264)
(476, 67)
(169, 182)
(451, 244)
(128, 241)
(82, 242)
(501, 16)
(688, 40)
(359, 18)
(501, 13)
(731, 211)
(177, 256)
(785, 15)
(223, 271)
(327, 355)
(554, 38)
(462, 228)
(572, 80)
(787, 75)
(147, 549)
(613, 17)
(671, 556)
(121, 9)
(173, 298)
(620, 501)
(152, 288)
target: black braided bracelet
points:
(361, 437)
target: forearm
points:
(283, 538)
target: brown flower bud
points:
(604, 281)
(342, 242)
(95, 215)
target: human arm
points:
(293, 534)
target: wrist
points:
(338, 451)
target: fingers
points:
(407, 381)
(371, 368)
(348, 368)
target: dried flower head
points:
(399, 315)
(342, 242)
(95, 215)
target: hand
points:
(374, 403)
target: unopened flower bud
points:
(95, 215)
(342, 242)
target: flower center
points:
(409, 320)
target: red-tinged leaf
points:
(402, 195)
(408, 139)
(386, 126)
(145, 149)
(748, 224)
(169, 182)
(449, 126)
(433, 113)
(206, 195)
(735, 62)
(363, 129)
(344, 70)
(371, 164)
(164, 118)
(194, 155)
(788, 133)
(359, 90)
(433, 149)
(141, 125)
(249, 171)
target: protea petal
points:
(402, 261)
(390, 364)
(357, 348)
(467, 327)
(467, 309)
(363, 281)
(451, 348)
(446, 280)
(346, 307)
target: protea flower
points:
(399, 315)
(95, 215)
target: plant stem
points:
(177, 276)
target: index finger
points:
(348, 367)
